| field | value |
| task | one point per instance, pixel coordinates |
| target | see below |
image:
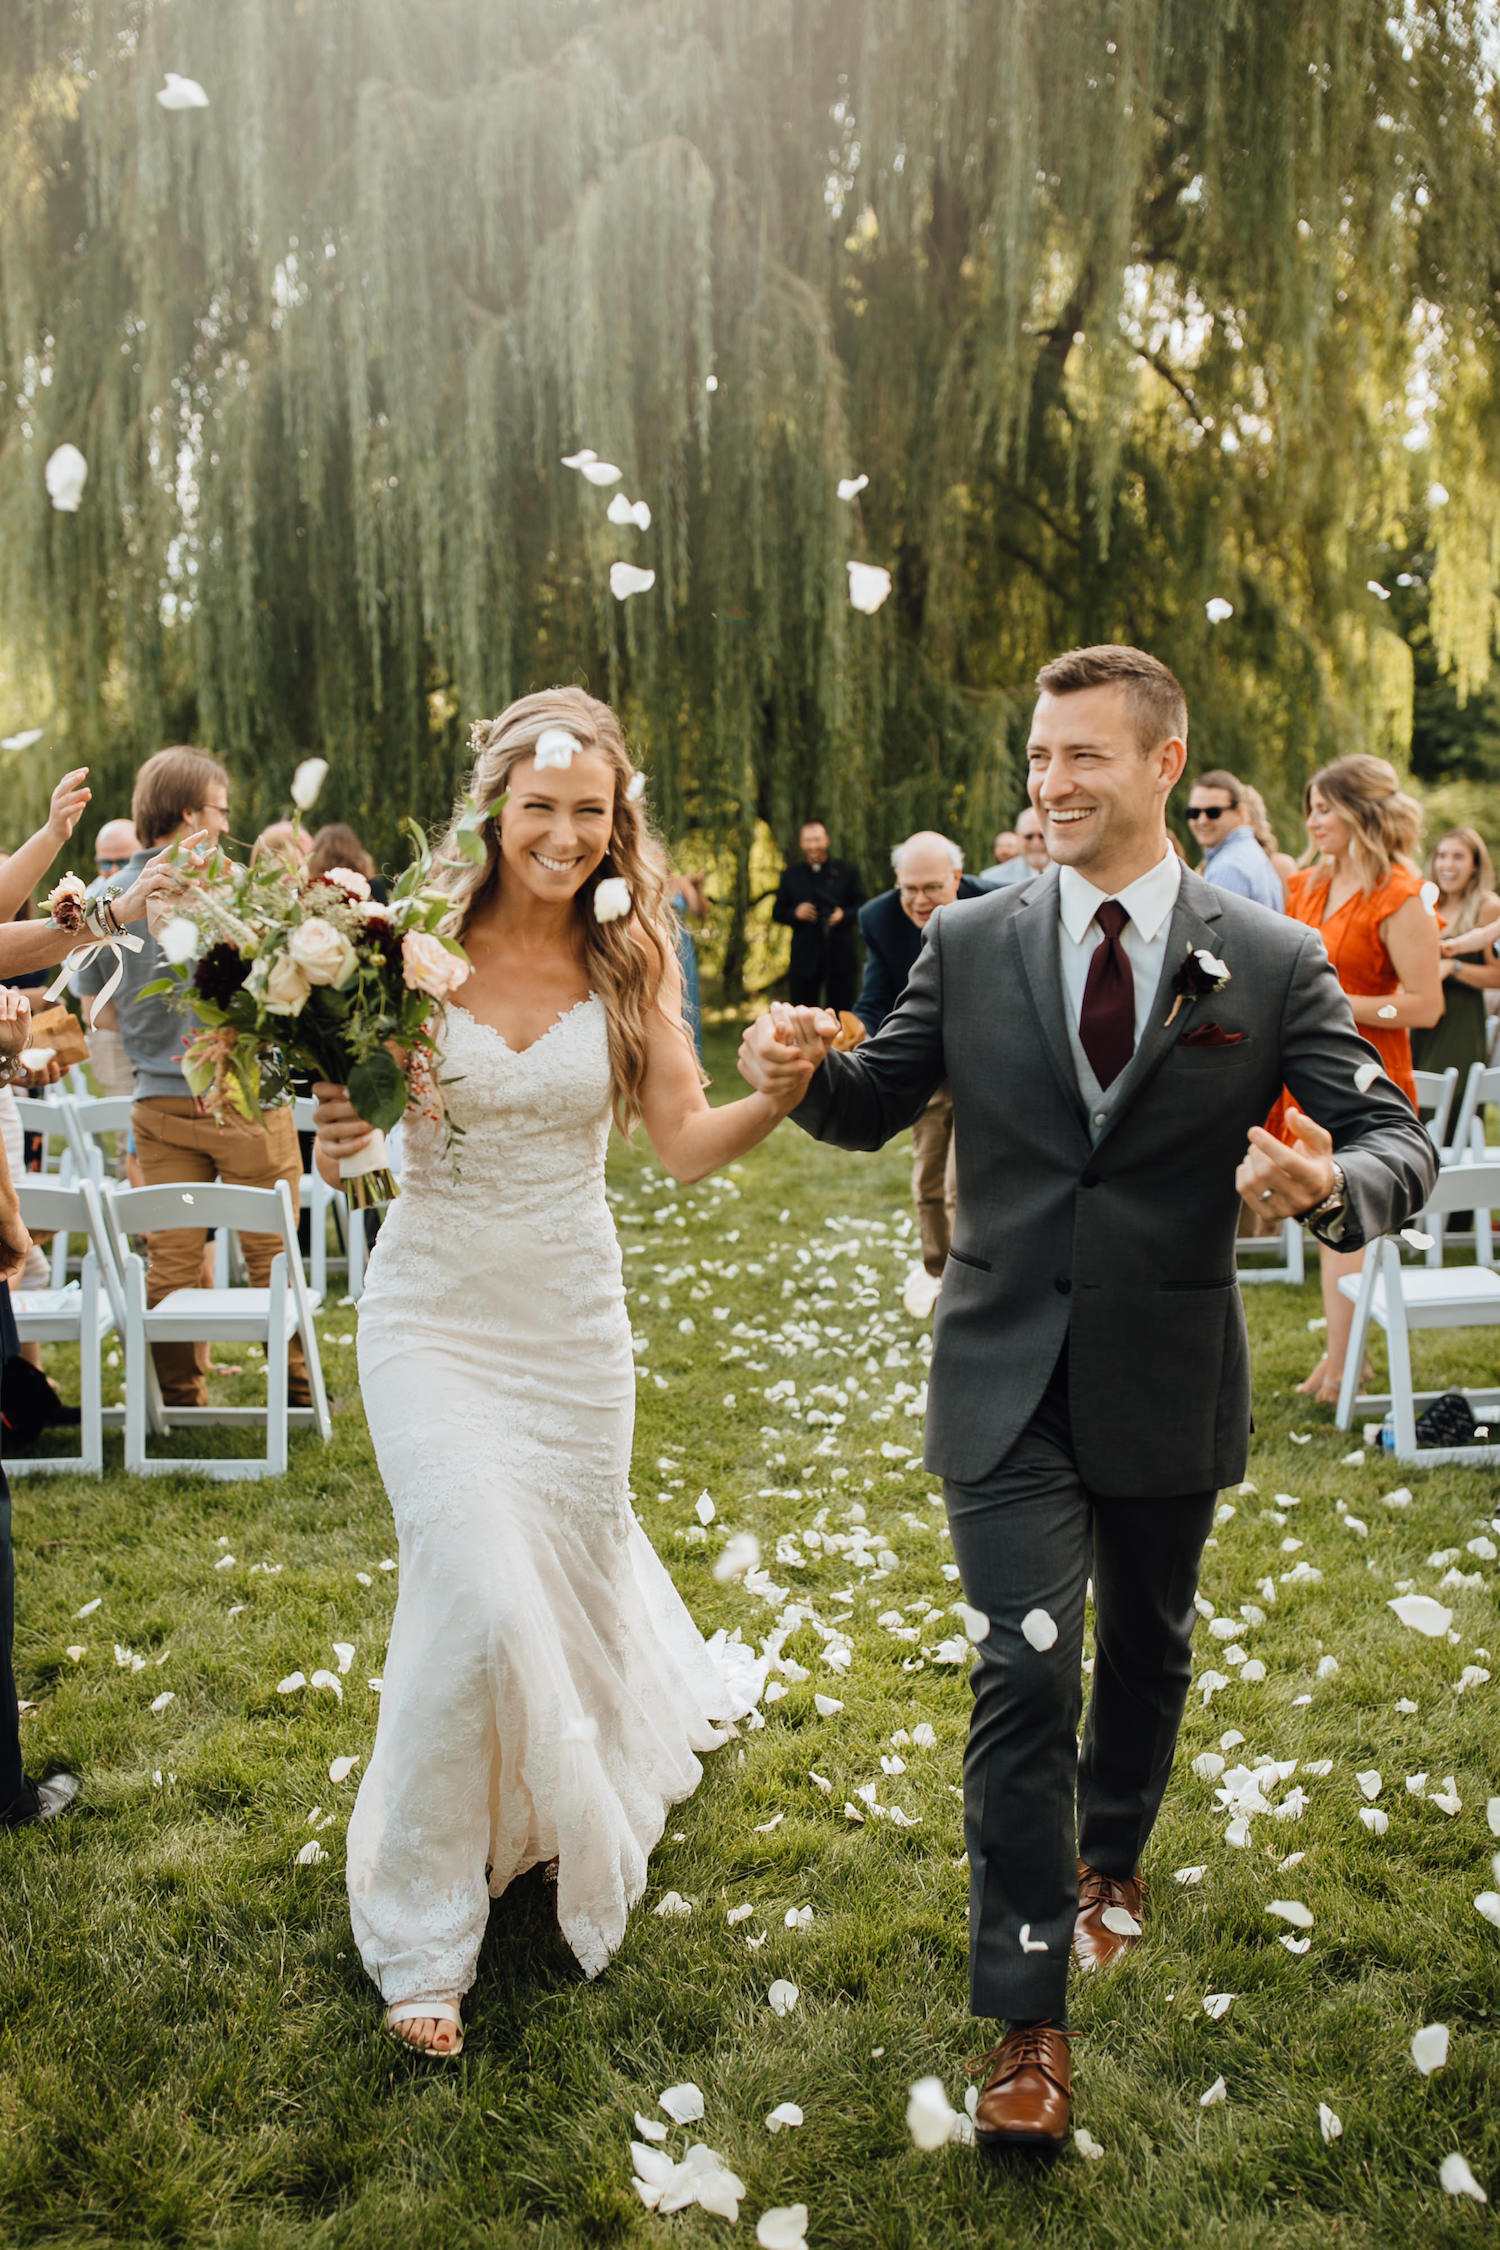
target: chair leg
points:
(137, 1367)
(355, 1230)
(1398, 1345)
(277, 1339)
(90, 1373)
(1354, 1357)
(1291, 1235)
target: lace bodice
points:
(528, 1126)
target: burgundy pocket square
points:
(1210, 1035)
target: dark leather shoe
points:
(1097, 1944)
(41, 1800)
(1028, 2096)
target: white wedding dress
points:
(546, 1692)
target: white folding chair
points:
(1288, 1243)
(1437, 1091)
(269, 1317)
(1464, 1143)
(1401, 1298)
(47, 1116)
(318, 1201)
(81, 1312)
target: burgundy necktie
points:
(1106, 1025)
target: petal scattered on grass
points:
(1291, 1910)
(683, 2104)
(1429, 2048)
(1422, 1614)
(1216, 2005)
(785, 2113)
(783, 2227)
(930, 2116)
(1120, 1921)
(1213, 2095)
(341, 1768)
(827, 1706)
(1086, 2145)
(163, 1700)
(649, 2129)
(1190, 1874)
(311, 1854)
(674, 1907)
(1455, 2178)
(1330, 2124)
(783, 1996)
(291, 1683)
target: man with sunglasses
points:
(1232, 859)
(929, 874)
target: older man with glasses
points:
(929, 874)
(1232, 859)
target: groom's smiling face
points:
(1101, 796)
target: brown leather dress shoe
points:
(1028, 2096)
(1097, 1944)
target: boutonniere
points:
(1201, 973)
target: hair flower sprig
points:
(1199, 974)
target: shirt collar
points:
(1148, 901)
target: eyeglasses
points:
(111, 866)
(1208, 812)
(935, 892)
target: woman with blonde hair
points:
(546, 1693)
(1364, 894)
(1469, 911)
(1259, 822)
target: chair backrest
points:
(1437, 1091)
(1466, 1186)
(150, 1210)
(1481, 1086)
(304, 1113)
(92, 1116)
(51, 1206)
(49, 1118)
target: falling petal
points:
(683, 2104)
(1429, 2048)
(623, 511)
(783, 1996)
(65, 475)
(601, 472)
(341, 1768)
(307, 783)
(1218, 611)
(1216, 2093)
(626, 578)
(1330, 2125)
(1430, 896)
(1381, 593)
(1029, 1944)
(182, 93)
(1455, 2178)
(1422, 1614)
(555, 747)
(579, 460)
(22, 741)
(179, 940)
(1366, 1075)
(869, 586)
(1038, 1630)
(850, 488)
(635, 789)
(930, 2116)
(741, 1553)
(976, 1624)
(1291, 1910)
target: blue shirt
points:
(1239, 865)
(1006, 872)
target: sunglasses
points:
(1208, 812)
(111, 866)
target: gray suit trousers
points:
(1028, 1537)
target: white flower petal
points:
(1038, 1630)
(626, 578)
(974, 1621)
(739, 1914)
(311, 1854)
(1429, 2048)
(611, 899)
(23, 740)
(307, 783)
(1422, 1614)
(163, 1700)
(1216, 2093)
(674, 1907)
(1455, 2178)
(1366, 1075)
(291, 1683)
(181, 93)
(635, 789)
(1121, 1921)
(1216, 2005)
(1218, 611)
(65, 475)
(579, 460)
(1190, 1874)
(649, 2129)
(341, 1768)
(179, 940)
(741, 1553)
(1330, 2125)
(827, 1706)
(784, 2226)
(785, 2113)
(344, 1651)
(783, 1996)
(1370, 1783)
(1374, 1819)
(683, 2104)
(869, 586)
(851, 487)
(929, 2114)
(1488, 1903)
(601, 472)
(1086, 2145)
(1291, 1910)
(324, 1678)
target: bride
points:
(546, 1692)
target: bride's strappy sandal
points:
(433, 2010)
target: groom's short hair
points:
(1153, 692)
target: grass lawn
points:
(189, 2051)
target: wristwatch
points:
(1327, 1218)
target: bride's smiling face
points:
(555, 825)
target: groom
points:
(1113, 1033)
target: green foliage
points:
(1117, 302)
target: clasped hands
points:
(781, 1050)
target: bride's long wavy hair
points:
(626, 960)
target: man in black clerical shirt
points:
(819, 899)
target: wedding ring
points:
(1265, 1195)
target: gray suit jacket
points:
(1122, 1242)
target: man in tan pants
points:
(179, 793)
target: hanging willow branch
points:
(1117, 302)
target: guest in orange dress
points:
(1365, 896)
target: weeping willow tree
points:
(1122, 306)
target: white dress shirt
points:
(1148, 901)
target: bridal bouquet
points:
(284, 973)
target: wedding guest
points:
(1233, 858)
(182, 793)
(114, 846)
(818, 899)
(1254, 808)
(1364, 896)
(285, 837)
(1027, 865)
(115, 843)
(22, 1801)
(1006, 847)
(1112, 1034)
(929, 875)
(1467, 902)
(336, 845)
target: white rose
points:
(429, 967)
(286, 988)
(321, 952)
